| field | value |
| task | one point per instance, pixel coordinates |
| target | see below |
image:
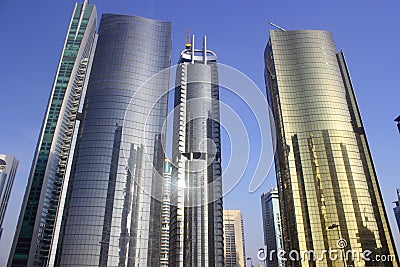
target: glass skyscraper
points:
(112, 215)
(397, 209)
(8, 169)
(271, 218)
(196, 228)
(327, 182)
(49, 171)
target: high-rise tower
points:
(234, 245)
(50, 167)
(398, 122)
(327, 182)
(271, 218)
(196, 228)
(397, 209)
(113, 206)
(8, 169)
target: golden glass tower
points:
(327, 181)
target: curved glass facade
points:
(113, 218)
(324, 168)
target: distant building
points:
(234, 239)
(398, 122)
(8, 168)
(397, 209)
(165, 214)
(272, 225)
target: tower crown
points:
(190, 54)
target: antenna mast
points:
(188, 43)
(276, 26)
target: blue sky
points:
(33, 33)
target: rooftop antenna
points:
(193, 49)
(188, 43)
(205, 49)
(276, 26)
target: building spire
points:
(205, 49)
(193, 49)
(188, 43)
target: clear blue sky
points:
(33, 33)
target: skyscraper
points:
(398, 122)
(112, 215)
(397, 209)
(165, 220)
(234, 245)
(8, 169)
(326, 177)
(196, 228)
(271, 218)
(49, 171)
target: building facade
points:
(234, 246)
(196, 228)
(165, 220)
(271, 218)
(114, 202)
(8, 169)
(397, 209)
(49, 171)
(326, 179)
